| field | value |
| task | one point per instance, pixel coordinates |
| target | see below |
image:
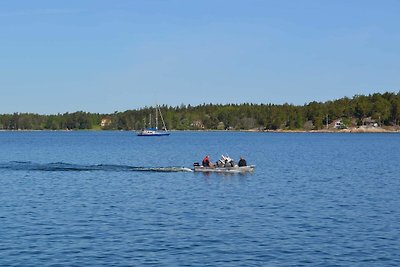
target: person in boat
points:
(206, 161)
(229, 162)
(221, 162)
(242, 162)
(224, 161)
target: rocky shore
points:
(359, 129)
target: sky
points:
(106, 56)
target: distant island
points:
(361, 113)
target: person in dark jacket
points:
(242, 162)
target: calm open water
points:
(100, 199)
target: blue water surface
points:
(82, 199)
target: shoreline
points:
(360, 129)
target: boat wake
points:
(67, 167)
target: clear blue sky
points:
(103, 56)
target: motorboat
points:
(223, 165)
(234, 169)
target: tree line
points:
(382, 108)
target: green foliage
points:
(383, 108)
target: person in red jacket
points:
(206, 162)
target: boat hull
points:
(235, 169)
(153, 134)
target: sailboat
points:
(153, 131)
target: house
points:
(105, 122)
(197, 124)
(338, 124)
(369, 122)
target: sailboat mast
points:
(156, 118)
(162, 119)
(150, 121)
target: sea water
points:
(115, 199)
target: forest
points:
(381, 108)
